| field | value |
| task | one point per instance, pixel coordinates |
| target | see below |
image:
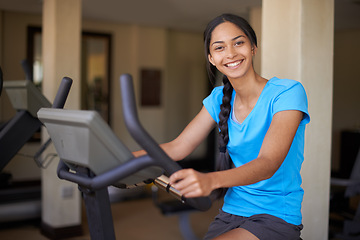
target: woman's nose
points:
(231, 52)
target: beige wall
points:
(179, 55)
(151, 51)
(187, 82)
(14, 42)
(13, 30)
(255, 18)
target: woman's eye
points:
(239, 43)
(218, 48)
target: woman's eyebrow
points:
(237, 37)
(231, 39)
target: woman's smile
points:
(234, 64)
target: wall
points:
(187, 83)
(177, 54)
(151, 51)
(14, 42)
(13, 51)
(346, 113)
(255, 18)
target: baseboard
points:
(60, 233)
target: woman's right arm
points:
(190, 138)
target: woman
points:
(262, 124)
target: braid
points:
(224, 158)
(225, 108)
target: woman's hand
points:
(192, 183)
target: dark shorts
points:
(263, 226)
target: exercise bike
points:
(94, 158)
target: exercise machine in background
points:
(26, 99)
(23, 203)
(342, 189)
(94, 158)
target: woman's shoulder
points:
(284, 82)
(217, 93)
(281, 85)
(217, 90)
(215, 97)
(213, 101)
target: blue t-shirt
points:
(281, 195)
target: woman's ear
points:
(211, 60)
(254, 50)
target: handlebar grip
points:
(201, 203)
(62, 93)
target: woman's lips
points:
(234, 64)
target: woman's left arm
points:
(274, 149)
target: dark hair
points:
(225, 107)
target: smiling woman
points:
(258, 120)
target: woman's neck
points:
(248, 89)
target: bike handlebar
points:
(147, 142)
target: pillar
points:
(297, 43)
(61, 204)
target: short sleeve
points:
(213, 101)
(293, 98)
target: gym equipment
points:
(27, 99)
(351, 226)
(21, 203)
(94, 158)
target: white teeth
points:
(233, 64)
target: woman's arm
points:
(274, 149)
(190, 138)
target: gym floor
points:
(136, 219)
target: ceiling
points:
(176, 14)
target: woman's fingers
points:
(190, 183)
(181, 179)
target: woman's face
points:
(231, 51)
